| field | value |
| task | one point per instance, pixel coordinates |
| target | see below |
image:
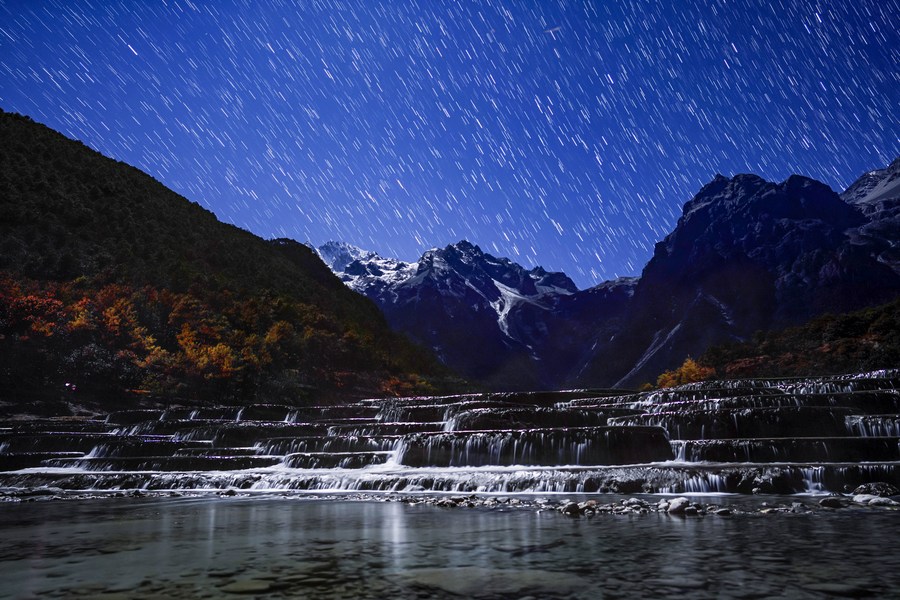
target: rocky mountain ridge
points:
(877, 195)
(453, 295)
(746, 255)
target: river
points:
(292, 547)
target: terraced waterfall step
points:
(165, 463)
(746, 422)
(347, 443)
(793, 450)
(546, 447)
(332, 460)
(792, 435)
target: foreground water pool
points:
(274, 547)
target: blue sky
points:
(561, 134)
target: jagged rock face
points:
(746, 255)
(877, 195)
(789, 238)
(874, 188)
(363, 270)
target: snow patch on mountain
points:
(874, 187)
(509, 298)
(724, 309)
(337, 255)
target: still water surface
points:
(290, 548)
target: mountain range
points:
(746, 255)
(113, 284)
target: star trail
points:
(562, 134)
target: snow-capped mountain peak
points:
(361, 269)
(875, 186)
(471, 262)
(338, 255)
(461, 288)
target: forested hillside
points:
(864, 340)
(111, 283)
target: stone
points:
(221, 573)
(678, 505)
(680, 583)
(571, 509)
(880, 501)
(832, 502)
(473, 582)
(879, 488)
(863, 498)
(839, 589)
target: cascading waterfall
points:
(779, 436)
(874, 425)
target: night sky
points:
(561, 134)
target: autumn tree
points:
(690, 371)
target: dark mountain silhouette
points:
(110, 281)
(746, 255)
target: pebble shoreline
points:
(869, 496)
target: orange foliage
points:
(169, 342)
(36, 314)
(689, 372)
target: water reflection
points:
(325, 549)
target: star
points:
(562, 135)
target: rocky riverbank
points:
(875, 496)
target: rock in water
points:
(839, 589)
(571, 508)
(878, 488)
(881, 501)
(678, 505)
(832, 502)
(863, 498)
